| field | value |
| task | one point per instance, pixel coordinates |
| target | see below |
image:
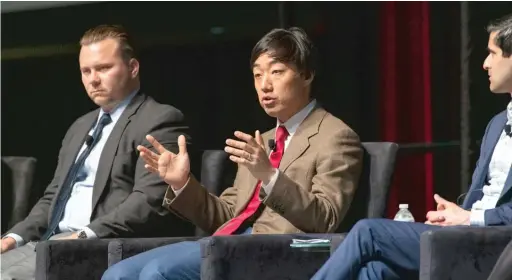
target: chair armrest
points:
(123, 248)
(462, 252)
(259, 257)
(71, 259)
(336, 240)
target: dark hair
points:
(105, 31)
(288, 46)
(503, 39)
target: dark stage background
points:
(390, 70)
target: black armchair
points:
(88, 259)
(270, 256)
(462, 253)
(17, 185)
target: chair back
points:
(17, 185)
(372, 193)
(217, 174)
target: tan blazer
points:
(319, 174)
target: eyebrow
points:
(272, 62)
(491, 51)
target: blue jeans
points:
(179, 261)
(377, 249)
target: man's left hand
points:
(448, 214)
(250, 152)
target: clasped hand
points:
(447, 214)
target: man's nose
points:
(486, 65)
(94, 78)
(266, 84)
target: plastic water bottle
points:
(403, 214)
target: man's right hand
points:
(174, 169)
(8, 243)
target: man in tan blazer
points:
(306, 184)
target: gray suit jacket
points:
(126, 198)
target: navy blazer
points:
(502, 214)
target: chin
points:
(496, 90)
(102, 102)
(272, 112)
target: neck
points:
(298, 108)
(112, 105)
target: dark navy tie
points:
(508, 130)
(67, 185)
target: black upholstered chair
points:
(502, 268)
(17, 186)
(88, 259)
(271, 257)
(462, 253)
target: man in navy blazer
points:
(387, 249)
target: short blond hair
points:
(106, 31)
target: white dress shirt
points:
(78, 208)
(499, 168)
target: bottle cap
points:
(403, 206)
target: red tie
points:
(275, 159)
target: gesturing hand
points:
(251, 153)
(174, 169)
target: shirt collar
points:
(116, 112)
(293, 123)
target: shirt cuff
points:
(19, 241)
(268, 187)
(90, 233)
(477, 217)
(177, 192)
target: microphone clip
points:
(271, 144)
(89, 140)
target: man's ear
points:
(133, 64)
(309, 80)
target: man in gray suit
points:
(100, 188)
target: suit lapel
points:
(109, 151)
(297, 146)
(300, 141)
(508, 183)
(494, 136)
(77, 140)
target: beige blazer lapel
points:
(300, 141)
